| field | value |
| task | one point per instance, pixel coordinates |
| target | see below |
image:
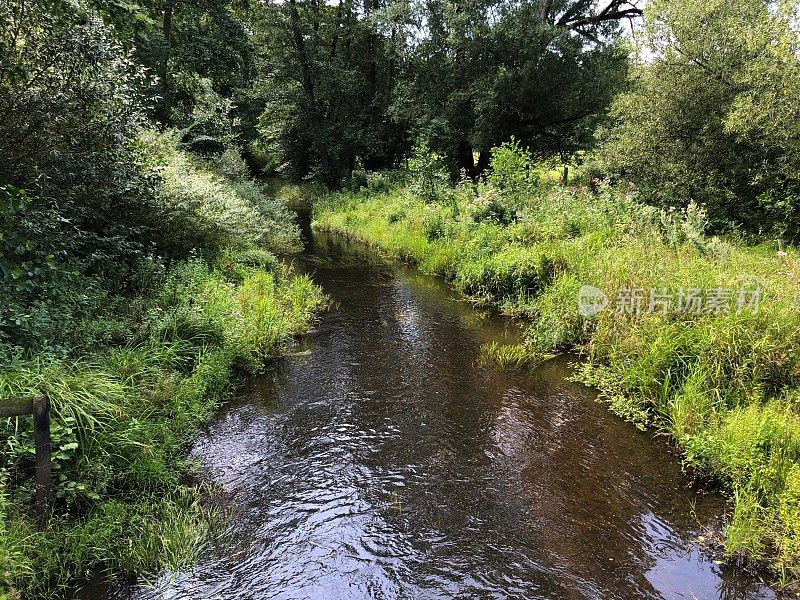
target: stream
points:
(381, 460)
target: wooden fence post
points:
(41, 422)
(39, 407)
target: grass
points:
(133, 364)
(511, 356)
(725, 387)
(296, 196)
(210, 205)
(122, 417)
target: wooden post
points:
(41, 422)
(15, 407)
(39, 407)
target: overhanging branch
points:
(616, 10)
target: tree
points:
(326, 77)
(485, 71)
(198, 57)
(70, 102)
(713, 116)
(359, 81)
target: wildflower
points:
(782, 253)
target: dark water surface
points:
(381, 461)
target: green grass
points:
(136, 346)
(511, 356)
(726, 387)
(295, 196)
(212, 204)
(122, 416)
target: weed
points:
(122, 416)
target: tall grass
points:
(726, 387)
(211, 205)
(132, 373)
(121, 419)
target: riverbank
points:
(133, 363)
(693, 336)
(384, 441)
(125, 499)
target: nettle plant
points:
(512, 168)
(27, 267)
(22, 260)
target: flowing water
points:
(380, 460)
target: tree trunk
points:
(166, 31)
(545, 6)
(348, 45)
(483, 163)
(315, 24)
(390, 68)
(308, 89)
(338, 24)
(369, 51)
(465, 159)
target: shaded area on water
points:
(382, 461)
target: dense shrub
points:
(430, 172)
(209, 205)
(136, 279)
(711, 115)
(69, 104)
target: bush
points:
(512, 167)
(384, 181)
(201, 208)
(685, 133)
(429, 171)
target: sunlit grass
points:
(121, 418)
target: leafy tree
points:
(713, 115)
(326, 75)
(351, 82)
(69, 102)
(198, 56)
(485, 71)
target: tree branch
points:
(615, 10)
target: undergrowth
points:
(121, 418)
(133, 361)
